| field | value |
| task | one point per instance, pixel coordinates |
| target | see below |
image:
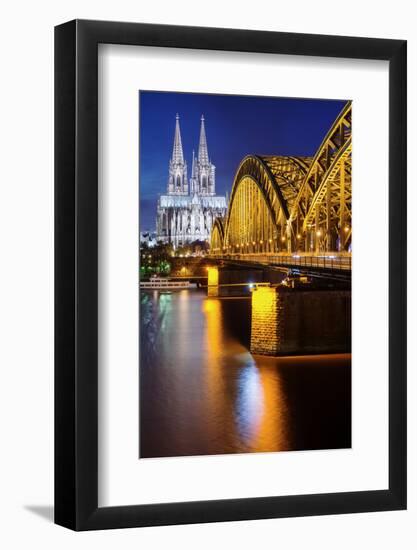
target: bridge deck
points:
(330, 261)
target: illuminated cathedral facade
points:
(187, 211)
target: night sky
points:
(235, 126)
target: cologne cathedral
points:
(187, 211)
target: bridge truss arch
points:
(258, 210)
(287, 204)
(322, 211)
(217, 236)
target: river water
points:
(203, 393)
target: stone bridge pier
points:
(287, 321)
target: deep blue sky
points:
(235, 125)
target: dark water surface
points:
(202, 392)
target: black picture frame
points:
(76, 271)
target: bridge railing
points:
(320, 261)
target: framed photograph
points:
(230, 253)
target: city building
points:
(187, 211)
(148, 238)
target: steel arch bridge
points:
(282, 204)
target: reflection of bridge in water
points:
(293, 210)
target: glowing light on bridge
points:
(263, 299)
(284, 204)
(213, 276)
(212, 281)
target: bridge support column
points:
(288, 321)
(213, 281)
(289, 237)
(267, 318)
(329, 236)
(342, 208)
(317, 231)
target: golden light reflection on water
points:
(273, 429)
(183, 304)
(256, 406)
(215, 390)
(202, 392)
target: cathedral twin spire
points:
(203, 157)
(177, 152)
(202, 171)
